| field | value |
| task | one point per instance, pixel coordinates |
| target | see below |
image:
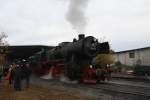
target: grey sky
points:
(124, 23)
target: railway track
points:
(115, 90)
(146, 80)
(123, 89)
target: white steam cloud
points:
(76, 15)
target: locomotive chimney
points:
(81, 36)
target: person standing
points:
(9, 77)
(1, 73)
(28, 75)
(16, 77)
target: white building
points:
(139, 56)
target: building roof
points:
(138, 49)
(24, 51)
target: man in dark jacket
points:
(16, 77)
(26, 72)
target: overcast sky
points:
(124, 23)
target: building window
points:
(131, 55)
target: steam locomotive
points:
(72, 59)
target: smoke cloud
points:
(76, 14)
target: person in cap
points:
(16, 77)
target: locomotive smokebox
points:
(81, 36)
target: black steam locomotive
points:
(70, 58)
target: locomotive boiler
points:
(76, 55)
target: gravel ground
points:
(39, 92)
(56, 90)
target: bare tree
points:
(3, 36)
(3, 48)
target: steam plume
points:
(76, 14)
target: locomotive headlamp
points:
(23, 60)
